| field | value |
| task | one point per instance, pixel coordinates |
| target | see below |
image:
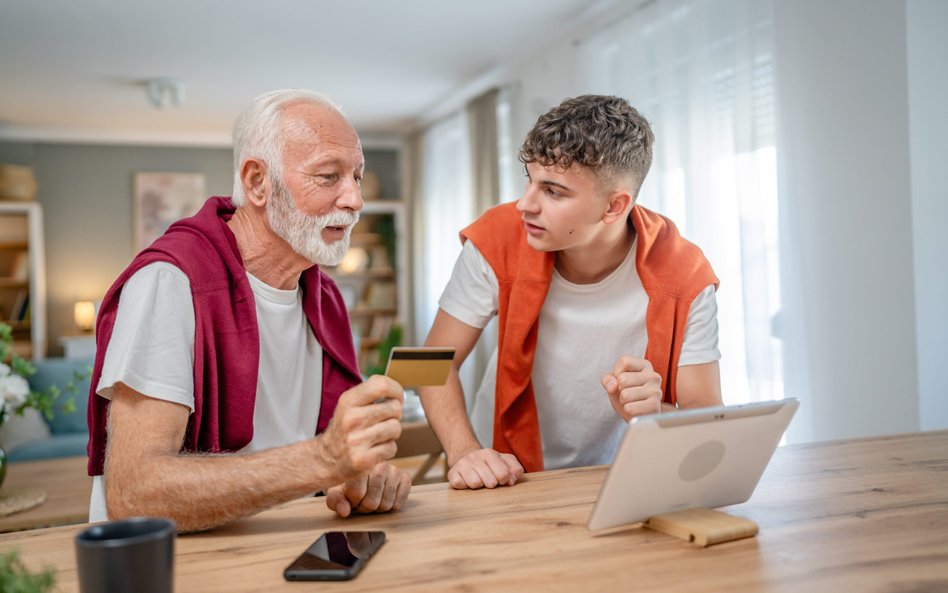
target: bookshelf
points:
(373, 278)
(23, 277)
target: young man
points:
(225, 379)
(605, 312)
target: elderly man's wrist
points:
(328, 468)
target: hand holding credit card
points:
(419, 367)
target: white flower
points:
(14, 389)
(4, 370)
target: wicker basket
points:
(17, 182)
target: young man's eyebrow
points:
(555, 184)
(546, 181)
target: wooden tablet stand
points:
(704, 527)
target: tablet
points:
(708, 457)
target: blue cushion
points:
(60, 372)
(64, 445)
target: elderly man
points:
(225, 379)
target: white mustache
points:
(339, 218)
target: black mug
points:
(129, 556)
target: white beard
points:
(304, 233)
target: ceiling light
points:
(165, 91)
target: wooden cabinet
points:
(23, 277)
(373, 280)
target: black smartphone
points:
(335, 556)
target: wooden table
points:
(862, 515)
(67, 487)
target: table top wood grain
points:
(866, 515)
(67, 487)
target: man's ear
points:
(255, 181)
(619, 205)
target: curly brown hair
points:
(603, 133)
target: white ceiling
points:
(74, 70)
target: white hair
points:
(258, 132)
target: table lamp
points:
(84, 315)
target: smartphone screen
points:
(335, 556)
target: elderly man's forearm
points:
(204, 491)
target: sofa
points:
(32, 437)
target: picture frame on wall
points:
(161, 198)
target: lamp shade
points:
(84, 315)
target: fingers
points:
(373, 490)
(336, 501)
(383, 489)
(388, 493)
(374, 445)
(630, 364)
(634, 388)
(642, 393)
(484, 468)
(516, 470)
(402, 490)
(641, 408)
(364, 427)
(373, 389)
(610, 384)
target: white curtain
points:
(485, 129)
(701, 71)
(446, 205)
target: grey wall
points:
(385, 164)
(928, 126)
(845, 203)
(86, 193)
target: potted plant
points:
(15, 393)
(15, 577)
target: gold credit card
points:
(419, 367)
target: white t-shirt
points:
(584, 329)
(152, 351)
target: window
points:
(702, 73)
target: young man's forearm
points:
(447, 415)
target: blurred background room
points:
(799, 144)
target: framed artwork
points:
(162, 198)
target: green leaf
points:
(15, 577)
(44, 402)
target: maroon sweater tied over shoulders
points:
(226, 339)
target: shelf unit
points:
(23, 277)
(373, 279)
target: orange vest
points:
(673, 272)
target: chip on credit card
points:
(419, 366)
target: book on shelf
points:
(20, 266)
(359, 326)
(19, 311)
(381, 325)
(381, 295)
